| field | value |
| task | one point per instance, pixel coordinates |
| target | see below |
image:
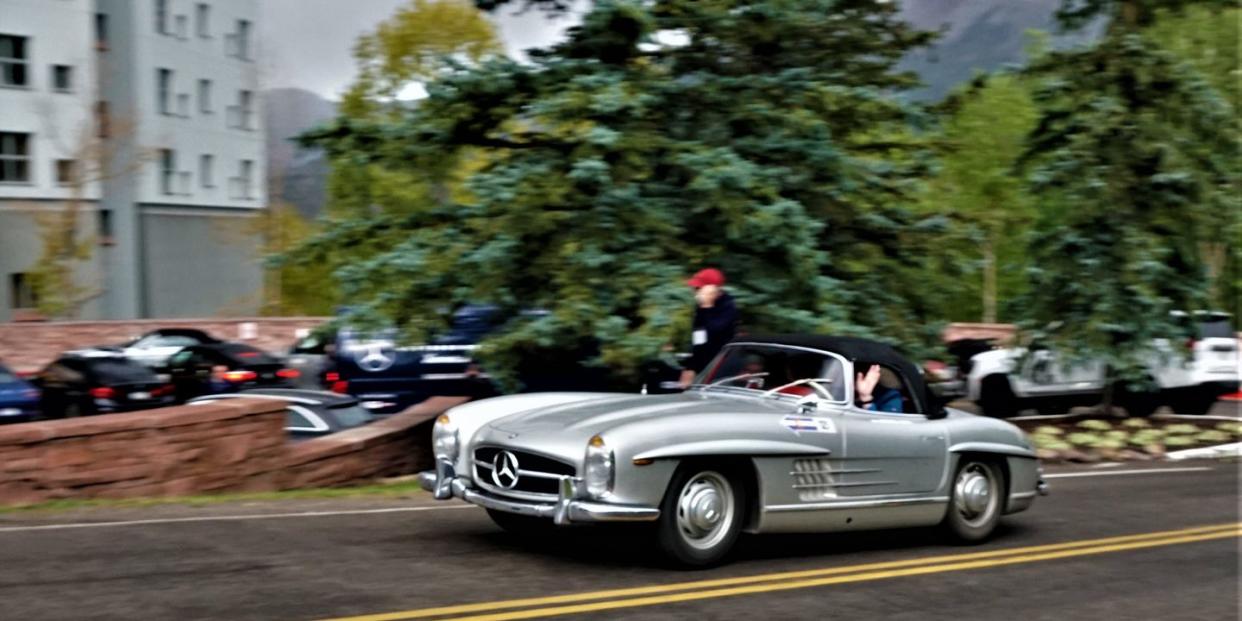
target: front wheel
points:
(976, 502)
(700, 516)
(996, 398)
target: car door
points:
(890, 453)
(190, 373)
(1044, 373)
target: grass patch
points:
(396, 489)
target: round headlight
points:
(598, 472)
(444, 439)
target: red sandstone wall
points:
(234, 445)
(30, 346)
(169, 451)
(1002, 332)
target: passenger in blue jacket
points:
(715, 321)
(870, 394)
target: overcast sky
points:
(307, 43)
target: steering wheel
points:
(813, 382)
(739, 377)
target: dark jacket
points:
(718, 324)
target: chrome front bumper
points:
(570, 506)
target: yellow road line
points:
(879, 575)
(789, 575)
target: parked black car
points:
(87, 382)
(311, 412)
(225, 367)
(155, 347)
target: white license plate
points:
(9, 411)
(139, 396)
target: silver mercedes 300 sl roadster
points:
(771, 438)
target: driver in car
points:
(870, 394)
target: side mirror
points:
(808, 404)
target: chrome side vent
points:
(814, 479)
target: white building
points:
(177, 99)
(47, 134)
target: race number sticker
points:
(699, 337)
(808, 424)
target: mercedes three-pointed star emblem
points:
(505, 470)
(375, 356)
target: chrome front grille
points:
(538, 477)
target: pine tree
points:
(765, 137)
(1133, 164)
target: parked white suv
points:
(1005, 381)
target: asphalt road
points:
(1067, 558)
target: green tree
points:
(1133, 165)
(765, 137)
(415, 45)
(985, 126)
(1209, 39)
(419, 42)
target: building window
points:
(105, 227)
(101, 31)
(66, 172)
(161, 16)
(245, 101)
(22, 292)
(103, 122)
(206, 174)
(14, 157)
(168, 171)
(183, 105)
(204, 96)
(239, 42)
(182, 27)
(243, 181)
(163, 94)
(202, 19)
(13, 61)
(62, 78)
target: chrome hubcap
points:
(975, 494)
(705, 510)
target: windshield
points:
(6, 376)
(1216, 327)
(765, 367)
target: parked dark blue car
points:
(19, 401)
(386, 377)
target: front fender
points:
(749, 448)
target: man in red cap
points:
(715, 321)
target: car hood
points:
(574, 423)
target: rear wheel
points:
(701, 515)
(1195, 402)
(520, 524)
(996, 398)
(976, 502)
(1141, 403)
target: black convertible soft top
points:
(854, 349)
